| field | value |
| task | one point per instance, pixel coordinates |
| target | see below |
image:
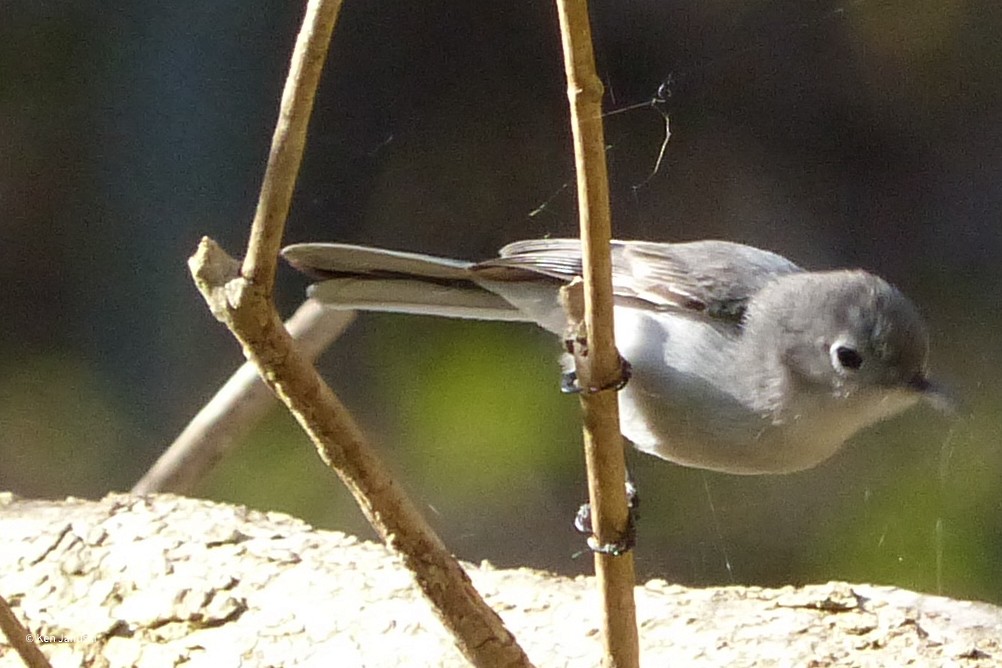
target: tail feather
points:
(414, 296)
(372, 279)
(342, 260)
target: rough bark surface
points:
(166, 581)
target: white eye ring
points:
(845, 356)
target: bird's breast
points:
(690, 401)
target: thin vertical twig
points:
(598, 364)
(288, 143)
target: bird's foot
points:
(626, 542)
(569, 381)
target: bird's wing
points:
(712, 278)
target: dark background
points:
(861, 133)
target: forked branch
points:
(240, 297)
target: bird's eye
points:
(848, 358)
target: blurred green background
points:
(861, 133)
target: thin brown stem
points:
(597, 361)
(249, 314)
(20, 639)
(240, 297)
(288, 142)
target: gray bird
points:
(742, 362)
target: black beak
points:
(935, 395)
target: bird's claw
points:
(626, 542)
(569, 381)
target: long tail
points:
(373, 279)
